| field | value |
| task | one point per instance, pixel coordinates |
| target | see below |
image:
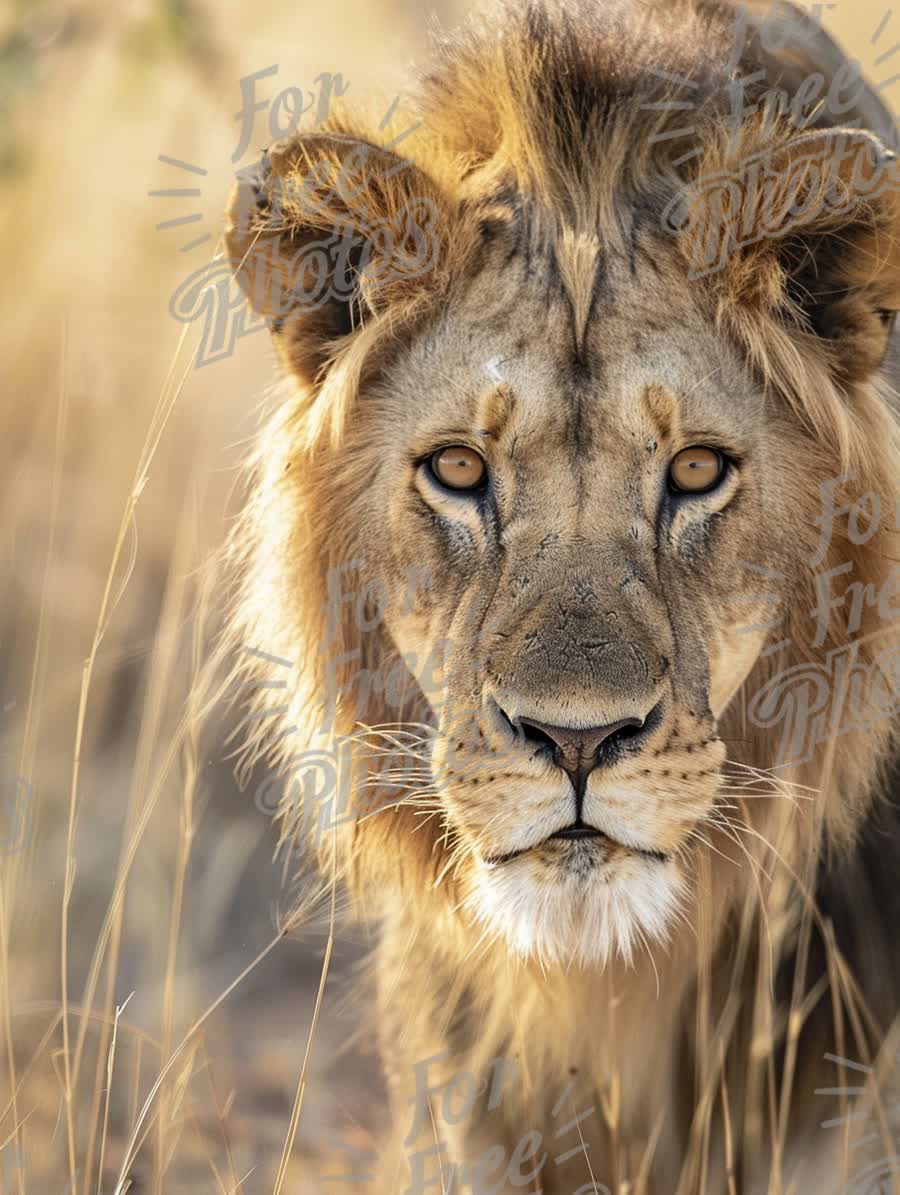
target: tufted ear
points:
(327, 230)
(807, 232)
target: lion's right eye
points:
(459, 468)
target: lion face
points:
(584, 593)
(606, 469)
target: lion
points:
(577, 526)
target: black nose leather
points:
(577, 750)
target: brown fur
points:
(557, 330)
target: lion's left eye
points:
(696, 470)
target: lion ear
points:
(325, 231)
(810, 232)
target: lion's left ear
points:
(327, 230)
(809, 232)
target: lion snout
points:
(579, 749)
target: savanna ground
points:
(137, 880)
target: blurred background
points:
(130, 860)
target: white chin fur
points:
(581, 917)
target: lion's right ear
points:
(327, 230)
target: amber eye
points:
(459, 468)
(696, 470)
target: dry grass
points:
(157, 997)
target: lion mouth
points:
(579, 831)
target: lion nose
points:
(577, 750)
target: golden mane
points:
(485, 133)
